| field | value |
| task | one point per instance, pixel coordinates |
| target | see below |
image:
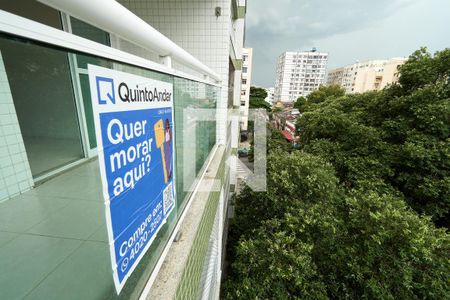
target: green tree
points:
(399, 136)
(325, 92)
(301, 104)
(309, 238)
(357, 151)
(423, 69)
(257, 96)
(276, 141)
(336, 219)
(284, 174)
(257, 92)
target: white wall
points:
(15, 173)
(194, 27)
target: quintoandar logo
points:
(105, 90)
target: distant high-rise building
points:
(270, 94)
(247, 55)
(370, 75)
(299, 73)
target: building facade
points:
(299, 73)
(270, 95)
(247, 58)
(370, 75)
(53, 237)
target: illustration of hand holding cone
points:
(163, 138)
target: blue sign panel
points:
(135, 136)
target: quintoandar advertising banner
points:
(135, 135)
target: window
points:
(89, 32)
(244, 81)
(49, 124)
(244, 69)
(35, 11)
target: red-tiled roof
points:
(291, 127)
(287, 135)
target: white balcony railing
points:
(112, 17)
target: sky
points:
(348, 30)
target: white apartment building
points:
(54, 237)
(247, 57)
(270, 95)
(370, 75)
(299, 73)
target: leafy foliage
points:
(353, 214)
(307, 237)
(257, 96)
(276, 141)
(325, 92)
(301, 104)
(423, 69)
(318, 96)
(399, 136)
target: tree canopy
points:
(399, 136)
(325, 92)
(257, 96)
(321, 94)
(308, 237)
(301, 104)
(361, 211)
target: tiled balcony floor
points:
(53, 240)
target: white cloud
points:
(308, 19)
(273, 27)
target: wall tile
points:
(15, 173)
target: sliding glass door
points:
(41, 86)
